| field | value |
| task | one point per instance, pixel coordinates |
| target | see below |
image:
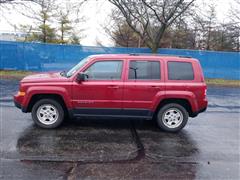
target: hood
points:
(44, 77)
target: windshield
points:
(77, 67)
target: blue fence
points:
(52, 57)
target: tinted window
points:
(180, 71)
(105, 70)
(144, 70)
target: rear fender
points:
(187, 95)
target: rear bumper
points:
(194, 114)
(203, 108)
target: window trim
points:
(144, 80)
(178, 80)
(106, 60)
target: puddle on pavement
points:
(85, 141)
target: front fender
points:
(31, 91)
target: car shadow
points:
(104, 140)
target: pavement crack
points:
(70, 173)
(138, 142)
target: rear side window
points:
(105, 70)
(180, 71)
(144, 70)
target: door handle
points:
(155, 87)
(113, 87)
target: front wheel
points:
(172, 117)
(47, 113)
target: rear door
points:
(142, 83)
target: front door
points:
(102, 92)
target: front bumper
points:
(18, 104)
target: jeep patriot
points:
(168, 89)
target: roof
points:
(142, 56)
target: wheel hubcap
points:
(47, 114)
(172, 118)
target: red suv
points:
(167, 89)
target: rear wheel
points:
(47, 113)
(172, 117)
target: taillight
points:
(205, 92)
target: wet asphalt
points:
(207, 148)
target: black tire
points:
(58, 108)
(180, 110)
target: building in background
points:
(12, 36)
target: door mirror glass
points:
(81, 77)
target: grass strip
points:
(13, 74)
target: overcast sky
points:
(96, 13)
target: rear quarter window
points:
(180, 70)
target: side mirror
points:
(81, 77)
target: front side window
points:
(144, 70)
(180, 71)
(105, 70)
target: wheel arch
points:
(181, 101)
(37, 97)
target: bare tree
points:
(43, 17)
(150, 18)
(41, 13)
(182, 34)
(234, 15)
(5, 1)
(206, 26)
(51, 21)
(125, 36)
(178, 35)
(235, 11)
(120, 32)
(65, 25)
(8, 5)
(68, 19)
(15, 1)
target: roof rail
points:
(155, 54)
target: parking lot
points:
(207, 148)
